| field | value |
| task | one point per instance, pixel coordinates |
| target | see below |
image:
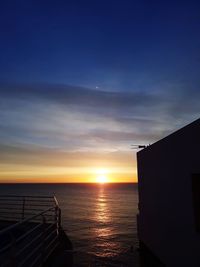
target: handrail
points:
(24, 206)
(26, 196)
(9, 228)
(24, 243)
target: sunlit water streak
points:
(99, 219)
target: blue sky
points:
(90, 78)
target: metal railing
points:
(33, 231)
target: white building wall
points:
(166, 218)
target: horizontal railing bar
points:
(12, 214)
(10, 208)
(20, 199)
(39, 221)
(8, 212)
(25, 213)
(11, 204)
(25, 196)
(39, 200)
(50, 217)
(26, 220)
(29, 209)
(15, 203)
(23, 209)
(37, 205)
(14, 219)
(31, 205)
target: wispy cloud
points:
(66, 125)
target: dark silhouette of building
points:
(169, 199)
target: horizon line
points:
(67, 183)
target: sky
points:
(81, 81)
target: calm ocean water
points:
(99, 219)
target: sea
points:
(99, 219)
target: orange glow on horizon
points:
(26, 173)
(77, 167)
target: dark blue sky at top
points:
(115, 45)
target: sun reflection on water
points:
(104, 231)
(102, 212)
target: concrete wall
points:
(166, 222)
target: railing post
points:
(58, 218)
(23, 207)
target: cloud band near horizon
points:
(71, 130)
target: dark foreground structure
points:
(169, 199)
(31, 234)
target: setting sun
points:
(102, 179)
(102, 176)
